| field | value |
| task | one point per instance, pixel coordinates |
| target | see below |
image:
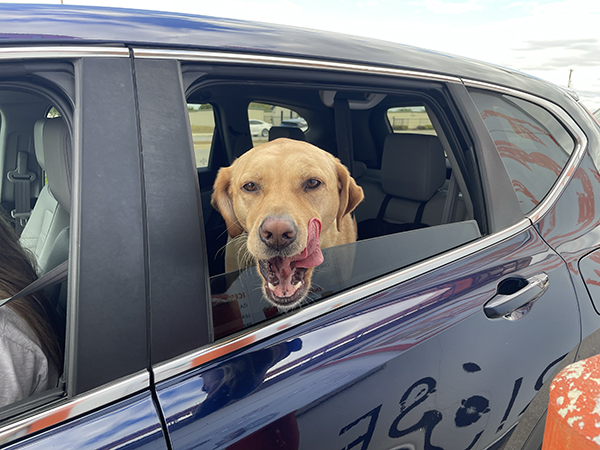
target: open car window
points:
(402, 220)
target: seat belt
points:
(343, 132)
(21, 178)
(240, 145)
(451, 198)
(50, 278)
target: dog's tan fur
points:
(280, 171)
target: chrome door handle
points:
(515, 293)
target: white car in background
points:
(259, 128)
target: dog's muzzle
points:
(285, 277)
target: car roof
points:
(61, 24)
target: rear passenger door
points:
(436, 338)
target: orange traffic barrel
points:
(573, 420)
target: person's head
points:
(16, 272)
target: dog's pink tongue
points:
(311, 256)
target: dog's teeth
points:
(297, 285)
(271, 286)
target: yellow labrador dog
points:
(285, 200)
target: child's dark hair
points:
(16, 272)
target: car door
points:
(103, 398)
(443, 350)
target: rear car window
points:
(202, 122)
(533, 145)
(410, 119)
(286, 122)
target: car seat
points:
(413, 169)
(51, 213)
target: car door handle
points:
(515, 293)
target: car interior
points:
(36, 186)
(35, 191)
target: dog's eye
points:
(250, 187)
(312, 184)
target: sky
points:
(556, 40)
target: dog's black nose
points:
(277, 232)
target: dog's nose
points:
(277, 232)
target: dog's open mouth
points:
(286, 282)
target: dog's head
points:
(290, 197)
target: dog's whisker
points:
(243, 257)
(220, 251)
(234, 225)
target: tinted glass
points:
(533, 144)
(237, 299)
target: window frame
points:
(179, 319)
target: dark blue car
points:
(474, 279)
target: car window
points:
(202, 122)
(52, 113)
(262, 117)
(34, 237)
(533, 145)
(401, 220)
(410, 119)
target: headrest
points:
(286, 132)
(413, 166)
(53, 149)
(38, 142)
(360, 168)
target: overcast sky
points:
(545, 38)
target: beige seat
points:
(51, 213)
(413, 169)
(409, 194)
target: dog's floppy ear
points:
(351, 194)
(221, 200)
